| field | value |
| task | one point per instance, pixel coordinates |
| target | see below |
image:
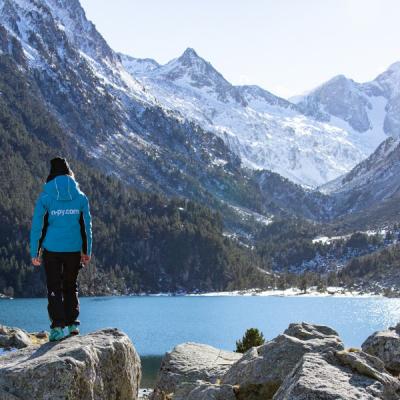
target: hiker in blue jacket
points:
(62, 228)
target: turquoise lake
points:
(157, 324)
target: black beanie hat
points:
(58, 166)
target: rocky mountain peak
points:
(190, 55)
(389, 81)
(60, 23)
(191, 64)
(339, 97)
(71, 18)
(339, 78)
(193, 71)
(370, 108)
(339, 84)
(395, 67)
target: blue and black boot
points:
(56, 334)
(73, 330)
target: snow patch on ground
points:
(247, 214)
(330, 239)
(311, 292)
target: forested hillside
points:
(142, 242)
(379, 271)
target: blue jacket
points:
(61, 219)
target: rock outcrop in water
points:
(386, 346)
(102, 365)
(306, 362)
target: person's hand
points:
(85, 259)
(36, 261)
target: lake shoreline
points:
(289, 292)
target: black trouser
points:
(62, 289)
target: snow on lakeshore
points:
(312, 292)
(331, 291)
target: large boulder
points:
(190, 362)
(102, 365)
(335, 375)
(261, 371)
(386, 346)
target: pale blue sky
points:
(285, 46)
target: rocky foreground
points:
(305, 362)
(102, 365)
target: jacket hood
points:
(62, 187)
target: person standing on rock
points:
(62, 231)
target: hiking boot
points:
(56, 334)
(73, 330)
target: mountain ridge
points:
(264, 130)
(122, 128)
(145, 144)
(166, 150)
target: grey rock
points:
(190, 362)
(102, 365)
(386, 346)
(13, 338)
(335, 375)
(202, 390)
(262, 369)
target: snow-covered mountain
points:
(182, 128)
(107, 114)
(368, 111)
(74, 67)
(266, 131)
